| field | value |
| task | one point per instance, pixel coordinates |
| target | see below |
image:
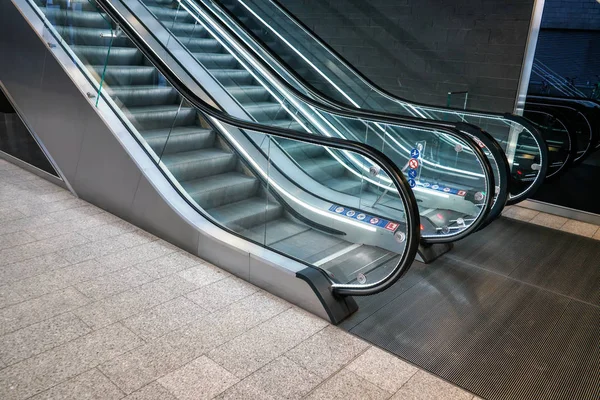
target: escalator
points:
(293, 206)
(454, 204)
(309, 63)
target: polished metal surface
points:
(107, 167)
(532, 38)
(511, 313)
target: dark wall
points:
(422, 49)
(571, 14)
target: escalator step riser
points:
(262, 215)
(86, 19)
(96, 55)
(118, 76)
(91, 37)
(250, 94)
(217, 60)
(322, 171)
(227, 195)
(162, 119)
(146, 96)
(171, 15)
(180, 142)
(301, 151)
(188, 31)
(233, 77)
(201, 168)
(71, 5)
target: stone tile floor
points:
(93, 308)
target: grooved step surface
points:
(513, 312)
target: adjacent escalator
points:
(269, 27)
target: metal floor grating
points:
(513, 312)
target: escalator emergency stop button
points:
(392, 226)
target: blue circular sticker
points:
(414, 153)
(412, 183)
(412, 173)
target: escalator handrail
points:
(392, 119)
(410, 203)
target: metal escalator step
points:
(310, 245)
(247, 213)
(218, 190)
(99, 55)
(183, 138)
(245, 94)
(145, 95)
(230, 77)
(75, 5)
(345, 184)
(163, 116)
(300, 150)
(195, 164)
(88, 19)
(276, 231)
(119, 75)
(187, 30)
(266, 111)
(323, 168)
(171, 14)
(217, 60)
(84, 36)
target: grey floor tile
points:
(58, 228)
(346, 385)
(40, 337)
(245, 392)
(165, 318)
(14, 239)
(133, 301)
(282, 378)
(548, 220)
(203, 274)
(104, 231)
(135, 238)
(10, 215)
(90, 250)
(90, 385)
(45, 370)
(28, 225)
(112, 283)
(222, 293)
(262, 344)
(143, 365)
(41, 208)
(76, 213)
(58, 279)
(9, 296)
(382, 369)
(39, 248)
(139, 254)
(199, 379)
(169, 264)
(35, 266)
(152, 391)
(327, 351)
(57, 196)
(424, 386)
(29, 312)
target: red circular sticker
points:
(413, 163)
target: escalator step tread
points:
(216, 182)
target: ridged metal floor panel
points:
(511, 313)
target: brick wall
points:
(422, 49)
(571, 14)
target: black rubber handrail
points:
(537, 136)
(449, 129)
(407, 196)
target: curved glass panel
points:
(316, 65)
(249, 179)
(448, 172)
